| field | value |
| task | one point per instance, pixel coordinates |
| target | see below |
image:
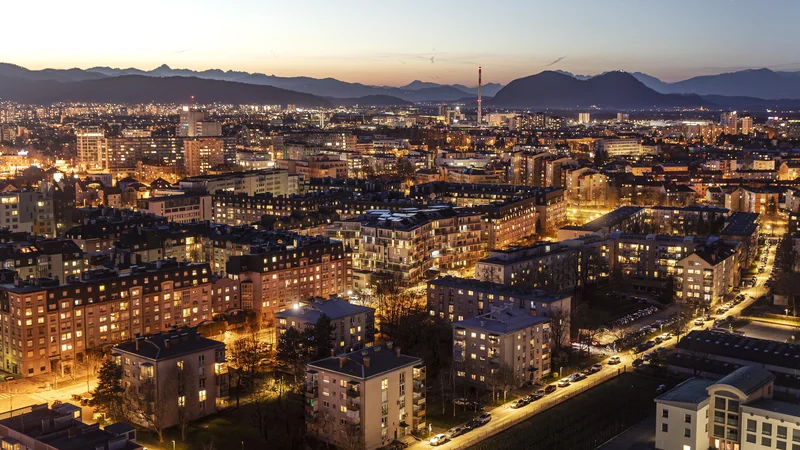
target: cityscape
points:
(447, 249)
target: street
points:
(504, 416)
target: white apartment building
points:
(365, 399)
(705, 276)
(91, 146)
(508, 339)
(737, 412)
(185, 208)
(180, 372)
(274, 181)
(621, 147)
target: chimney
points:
(333, 352)
(137, 343)
(166, 343)
(342, 361)
(366, 361)
(397, 351)
(389, 344)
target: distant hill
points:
(370, 100)
(488, 89)
(760, 83)
(416, 91)
(610, 90)
(65, 75)
(143, 89)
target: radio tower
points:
(479, 96)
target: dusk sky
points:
(392, 43)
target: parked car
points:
(564, 382)
(575, 377)
(439, 439)
(538, 394)
(471, 425)
(455, 431)
(596, 368)
(613, 360)
(518, 403)
(637, 362)
(483, 419)
(461, 401)
(549, 389)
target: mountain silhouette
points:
(417, 91)
(144, 89)
(620, 90)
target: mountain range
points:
(757, 88)
(613, 90)
(758, 83)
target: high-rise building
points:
(730, 122)
(584, 117)
(746, 125)
(201, 154)
(623, 117)
(92, 147)
(190, 120)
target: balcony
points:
(353, 393)
(353, 406)
(312, 390)
(419, 411)
(419, 386)
(419, 373)
(354, 417)
(419, 398)
(311, 416)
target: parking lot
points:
(773, 332)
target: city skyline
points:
(429, 42)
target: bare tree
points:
(559, 333)
(262, 416)
(148, 406)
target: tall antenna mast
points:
(479, 96)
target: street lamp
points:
(173, 444)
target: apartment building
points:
(43, 258)
(274, 181)
(27, 210)
(703, 277)
(184, 208)
(762, 200)
(201, 154)
(102, 227)
(146, 244)
(504, 346)
(178, 374)
(91, 147)
(366, 399)
(353, 325)
(240, 209)
(48, 326)
(552, 266)
(411, 242)
(279, 274)
(549, 201)
(621, 147)
(455, 299)
(738, 411)
(61, 427)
